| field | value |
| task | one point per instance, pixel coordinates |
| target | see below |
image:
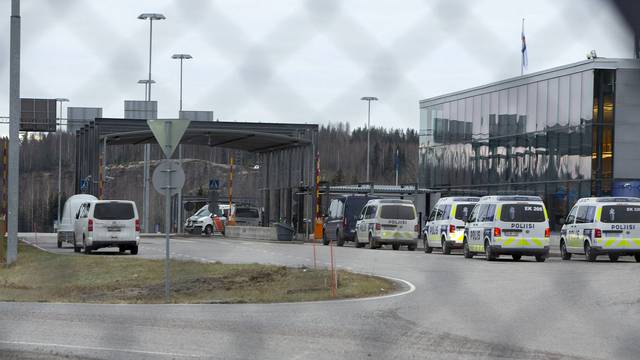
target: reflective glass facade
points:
(546, 135)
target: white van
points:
(602, 226)
(513, 225)
(445, 226)
(388, 221)
(71, 206)
(107, 223)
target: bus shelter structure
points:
(286, 157)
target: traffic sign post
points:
(168, 178)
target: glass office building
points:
(563, 134)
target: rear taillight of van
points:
(497, 232)
(90, 225)
(452, 228)
(597, 233)
(378, 226)
(547, 232)
(138, 225)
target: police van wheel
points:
(467, 253)
(589, 254)
(516, 257)
(427, 249)
(372, 243)
(637, 256)
(613, 257)
(541, 258)
(446, 249)
(566, 255)
(489, 254)
(208, 230)
(395, 246)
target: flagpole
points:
(522, 51)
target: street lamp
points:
(60, 100)
(368, 99)
(146, 84)
(150, 17)
(147, 148)
(182, 57)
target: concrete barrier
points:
(251, 232)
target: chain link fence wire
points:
(256, 76)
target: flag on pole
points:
(525, 61)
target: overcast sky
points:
(296, 61)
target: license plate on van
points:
(113, 228)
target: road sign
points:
(38, 114)
(84, 185)
(168, 175)
(168, 133)
(214, 184)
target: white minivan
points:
(107, 223)
(602, 226)
(65, 228)
(388, 221)
(511, 225)
(445, 226)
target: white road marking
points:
(97, 348)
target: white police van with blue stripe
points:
(508, 225)
(602, 226)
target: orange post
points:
(317, 231)
(333, 271)
(230, 219)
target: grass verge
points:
(46, 277)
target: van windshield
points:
(400, 212)
(247, 213)
(203, 212)
(463, 211)
(621, 214)
(522, 213)
(354, 205)
(114, 211)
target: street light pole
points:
(147, 147)
(368, 99)
(14, 133)
(182, 57)
(61, 101)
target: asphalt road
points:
(460, 309)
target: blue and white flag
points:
(525, 61)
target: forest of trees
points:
(343, 154)
(342, 161)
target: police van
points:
(508, 225)
(602, 226)
(388, 221)
(445, 226)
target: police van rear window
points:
(621, 214)
(522, 213)
(463, 211)
(399, 212)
